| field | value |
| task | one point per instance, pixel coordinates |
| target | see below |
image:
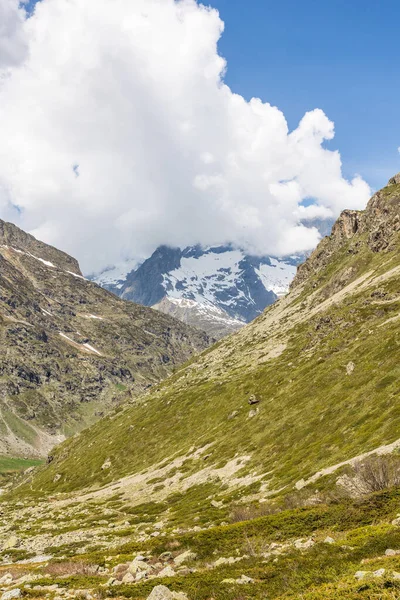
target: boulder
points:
(185, 557)
(253, 413)
(128, 578)
(361, 574)
(138, 566)
(395, 575)
(167, 572)
(244, 579)
(12, 542)
(161, 592)
(390, 552)
(379, 573)
(11, 594)
(253, 400)
(350, 368)
(304, 545)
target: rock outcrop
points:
(378, 225)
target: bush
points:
(373, 474)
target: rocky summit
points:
(70, 350)
(266, 467)
(217, 289)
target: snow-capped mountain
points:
(218, 289)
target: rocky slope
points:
(251, 413)
(69, 350)
(216, 289)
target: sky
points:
(340, 56)
(135, 123)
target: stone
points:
(329, 540)
(185, 557)
(161, 592)
(106, 465)
(395, 575)
(141, 558)
(396, 521)
(244, 579)
(11, 594)
(138, 566)
(225, 561)
(253, 413)
(165, 556)
(253, 400)
(128, 578)
(216, 504)
(390, 552)
(304, 545)
(167, 572)
(233, 415)
(361, 574)
(12, 542)
(6, 579)
(379, 573)
(350, 368)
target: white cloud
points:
(13, 45)
(119, 134)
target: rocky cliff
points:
(376, 227)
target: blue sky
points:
(339, 55)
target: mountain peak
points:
(217, 288)
(394, 180)
(374, 229)
(13, 236)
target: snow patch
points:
(277, 276)
(116, 274)
(89, 347)
(76, 275)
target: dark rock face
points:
(144, 285)
(70, 350)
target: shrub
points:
(373, 474)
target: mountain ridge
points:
(63, 364)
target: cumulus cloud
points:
(118, 134)
(13, 45)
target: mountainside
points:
(217, 289)
(267, 467)
(309, 384)
(69, 350)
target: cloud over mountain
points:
(118, 134)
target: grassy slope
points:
(311, 415)
(361, 531)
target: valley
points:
(266, 466)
